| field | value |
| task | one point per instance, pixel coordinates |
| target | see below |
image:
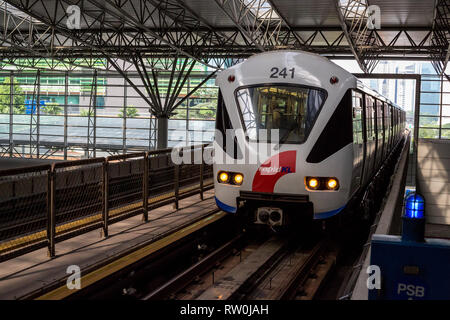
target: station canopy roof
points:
(220, 32)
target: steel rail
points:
(184, 278)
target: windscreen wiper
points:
(286, 135)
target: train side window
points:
(395, 120)
(358, 140)
(368, 118)
(391, 122)
(370, 115)
(380, 120)
(387, 121)
(357, 118)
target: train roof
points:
(359, 84)
(376, 94)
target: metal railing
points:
(43, 205)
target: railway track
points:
(129, 276)
(243, 270)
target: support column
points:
(66, 110)
(11, 114)
(163, 132)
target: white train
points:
(334, 134)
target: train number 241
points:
(283, 73)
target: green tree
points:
(204, 111)
(445, 132)
(132, 112)
(18, 100)
(205, 93)
(85, 112)
(179, 114)
(428, 133)
(52, 108)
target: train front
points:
(272, 111)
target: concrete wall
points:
(433, 178)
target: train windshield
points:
(290, 109)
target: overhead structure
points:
(261, 24)
(212, 32)
(362, 39)
(441, 36)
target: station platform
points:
(441, 231)
(32, 274)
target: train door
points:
(358, 141)
(370, 141)
(380, 132)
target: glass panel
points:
(428, 133)
(429, 122)
(291, 109)
(429, 110)
(430, 98)
(445, 111)
(445, 133)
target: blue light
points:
(414, 206)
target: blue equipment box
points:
(411, 270)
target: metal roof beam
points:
(260, 23)
(31, 39)
(440, 36)
(286, 24)
(353, 18)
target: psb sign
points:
(407, 291)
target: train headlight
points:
(223, 177)
(238, 178)
(312, 183)
(321, 183)
(233, 178)
(332, 184)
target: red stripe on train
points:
(273, 169)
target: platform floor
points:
(31, 272)
(437, 231)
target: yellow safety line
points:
(41, 235)
(103, 272)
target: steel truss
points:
(353, 16)
(163, 105)
(118, 29)
(261, 24)
(441, 37)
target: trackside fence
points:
(43, 205)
